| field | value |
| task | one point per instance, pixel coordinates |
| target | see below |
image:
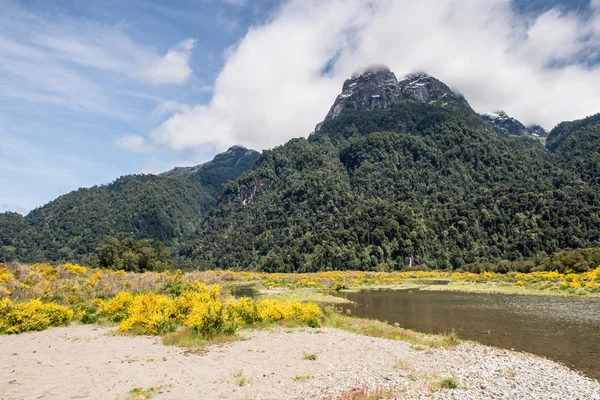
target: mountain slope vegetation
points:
(374, 189)
(400, 173)
(164, 208)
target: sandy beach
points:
(90, 362)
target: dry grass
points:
(143, 394)
(195, 343)
(364, 393)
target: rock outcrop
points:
(377, 87)
(506, 125)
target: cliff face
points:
(377, 88)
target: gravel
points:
(87, 362)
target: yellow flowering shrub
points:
(243, 311)
(117, 308)
(275, 310)
(208, 319)
(183, 304)
(74, 269)
(148, 313)
(31, 316)
(47, 270)
(5, 275)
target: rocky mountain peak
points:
(507, 125)
(427, 89)
(377, 87)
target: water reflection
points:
(564, 329)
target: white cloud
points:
(173, 67)
(134, 143)
(107, 48)
(169, 107)
(80, 64)
(271, 87)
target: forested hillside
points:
(373, 188)
(576, 147)
(399, 173)
(164, 208)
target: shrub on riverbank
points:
(76, 286)
(199, 307)
(31, 316)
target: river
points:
(564, 329)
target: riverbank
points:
(86, 361)
(477, 288)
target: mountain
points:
(224, 167)
(377, 88)
(576, 147)
(388, 177)
(506, 125)
(398, 170)
(166, 208)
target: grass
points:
(506, 289)
(142, 394)
(302, 378)
(304, 295)
(194, 342)
(449, 383)
(479, 287)
(375, 328)
(130, 359)
(310, 357)
(364, 393)
(240, 379)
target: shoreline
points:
(88, 361)
(476, 288)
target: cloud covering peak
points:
(282, 76)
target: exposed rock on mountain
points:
(399, 172)
(377, 88)
(536, 130)
(506, 125)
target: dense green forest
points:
(373, 188)
(164, 208)
(132, 255)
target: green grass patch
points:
(449, 383)
(303, 295)
(375, 328)
(195, 342)
(302, 378)
(143, 394)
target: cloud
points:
(173, 67)
(134, 143)
(81, 64)
(282, 77)
(169, 107)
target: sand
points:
(90, 362)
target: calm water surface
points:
(563, 329)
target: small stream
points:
(564, 329)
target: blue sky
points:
(92, 90)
